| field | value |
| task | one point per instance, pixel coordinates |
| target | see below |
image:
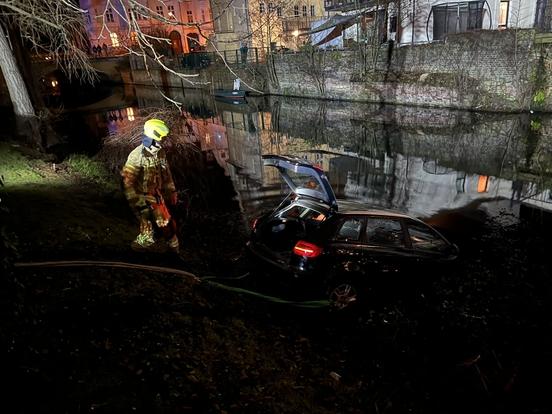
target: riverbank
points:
(115, 340)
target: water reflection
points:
(419, 161)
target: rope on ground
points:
(82, 263)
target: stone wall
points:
(485, 70)
(501, 71)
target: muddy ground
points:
(114, 340)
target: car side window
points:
(424, 238)
(350, 230)
(384, 232)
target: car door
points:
(430, 249)
(368, 249)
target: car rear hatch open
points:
(303, 178)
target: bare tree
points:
(49, 28)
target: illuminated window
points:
(114, 39)
(296, 11)
(313, 10)
(109, 15)
(503, 15)
(190, 15)
(133, 38)
(159, 10)
(304, 10)
(130, 114)
(482, 183)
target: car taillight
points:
(306, 249)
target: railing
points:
(197, 60)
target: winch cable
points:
(312, 304)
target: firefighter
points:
(149, 187)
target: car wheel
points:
(342, 295)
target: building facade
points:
(420, 21)
(109, 23)
(232, 26)
(281, 23)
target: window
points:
(159, 10)
(313, 10)
(384, 232)
(190, 15)
(114, 39)
(225, 23)
(170, 10)
(296, 11)
(393, 24)
(109, 15)
(482, 183)
(503, 14)
(202, 16)
(279, 12)
(423, 238)
(261, 7)
(304, 10)
(350, 230)
(270, 7)
(457, 18)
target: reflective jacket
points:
(146, 177)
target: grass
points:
(17, 169)
(91, 170)
(73, 206)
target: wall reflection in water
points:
(418, 160)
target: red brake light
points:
(306, 249)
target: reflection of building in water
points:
(212, 138)
(403, 182)
(418, 161)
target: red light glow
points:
(306, 249)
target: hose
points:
(193, 278)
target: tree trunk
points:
(17, 89)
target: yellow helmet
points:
(156, 129)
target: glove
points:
(161, 222)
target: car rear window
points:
(304, 180)
(384, 232)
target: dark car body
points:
(340, 245)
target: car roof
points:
(347, 207)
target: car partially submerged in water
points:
(346, 250)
